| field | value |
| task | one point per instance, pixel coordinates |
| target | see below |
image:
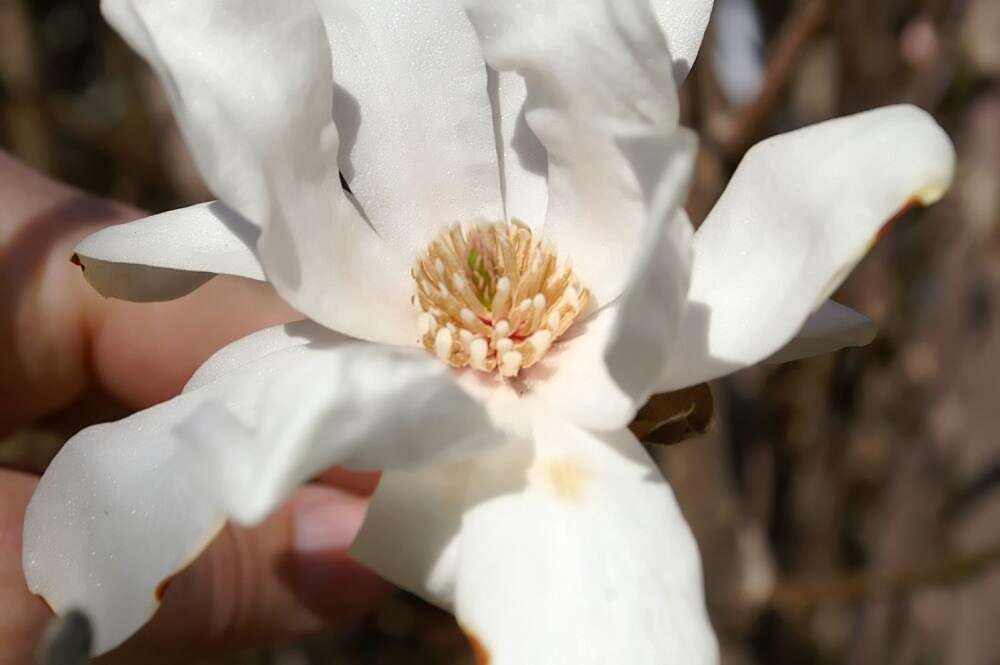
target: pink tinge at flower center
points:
(494, 297)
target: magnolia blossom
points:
(508, 276)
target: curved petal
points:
(411, 532)
(119, 511)
(412, 109)
(830, 328)
(523, 162)
(607, 366)
(251, 88)
(684, 23)
(117, 514)
(169, 255)
(573, 382)
(652, 307)
(799, 213)
(126, 505)
(595, 73)
(256, 346)
(357, 406)
(575, 551)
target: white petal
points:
(414, 117)
(572, 381)
(126, 505)
(595, 74)
(523, 162)
(411, 532)
(169, 255)
(801, 210)
(120, 510)
(117, 514)
(830, 328)
(607, 365)
(358, 406)
(652, 307)
(575, 551)
(251, 89)
(254, 347)
(684, 23)
(506, 406)
(650, 312)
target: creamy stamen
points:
(494, 296)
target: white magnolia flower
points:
(514, 494)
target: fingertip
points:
(144, 353)
(24, 615)
(287, 578)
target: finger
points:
(42, 355)
(22, 615)
(59, 338)
(144, 353)
(287, 578)
(362, 483)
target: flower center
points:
(494, 296)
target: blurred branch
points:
(800, 596)
(980, 486)
(23, 115)
(745, 127)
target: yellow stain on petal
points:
(932, 193)
(566, 478)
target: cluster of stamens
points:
(494, 296)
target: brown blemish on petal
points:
(75, 260)
(566, 477)
(913, 202)
(161, 588)
(45, 602)
(478, 648)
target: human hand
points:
(67, 354)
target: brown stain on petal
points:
(45, 602)
(912, 203)
(567, 478)
(161, 588)
(479, 649)
(75, 260)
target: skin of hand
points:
(69, 357)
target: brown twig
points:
(23, 114)
(801, 596)
(795, 34)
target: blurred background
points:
(847, 507)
